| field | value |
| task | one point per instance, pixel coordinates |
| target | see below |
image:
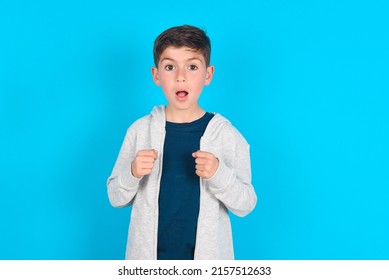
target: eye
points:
(169, 67)
(192, 67)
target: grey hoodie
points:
(229, 188)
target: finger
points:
(150, 153)
(203, 167)
(146, 165)
(146, 159)
(145, 171)
(200, 167)
(201, 160)
(202, 154)
(199, 173)
(202, 174)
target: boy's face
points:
(182, 73)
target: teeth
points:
(181, 93)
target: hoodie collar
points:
(159, 118)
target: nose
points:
(181, 75)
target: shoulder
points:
(141, 122)
(139, 125)
(226, 130)
(155, 118)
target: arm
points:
(122, 185)
(231, 182)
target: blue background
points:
(306, 82)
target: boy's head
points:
(183, 36)
(182, 57)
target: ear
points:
(154, 72)
(209, 75)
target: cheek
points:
(165, 80)
(199, 80)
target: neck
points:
(183, 116)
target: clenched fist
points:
(143, 162)
(206, 164)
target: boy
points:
(180, 167)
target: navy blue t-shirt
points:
(179, 195)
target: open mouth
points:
(181, 93)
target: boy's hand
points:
(143, 162)
(206, 164)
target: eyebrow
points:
(190, 59)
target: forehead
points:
(181, 54)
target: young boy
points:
(182, 168)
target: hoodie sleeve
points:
(231, 183)
(122, 185)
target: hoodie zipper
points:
(196, 252)
(157, 195)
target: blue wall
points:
(306, 82)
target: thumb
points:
(155, 154)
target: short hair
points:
(183, 36)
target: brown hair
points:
(183, 36)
